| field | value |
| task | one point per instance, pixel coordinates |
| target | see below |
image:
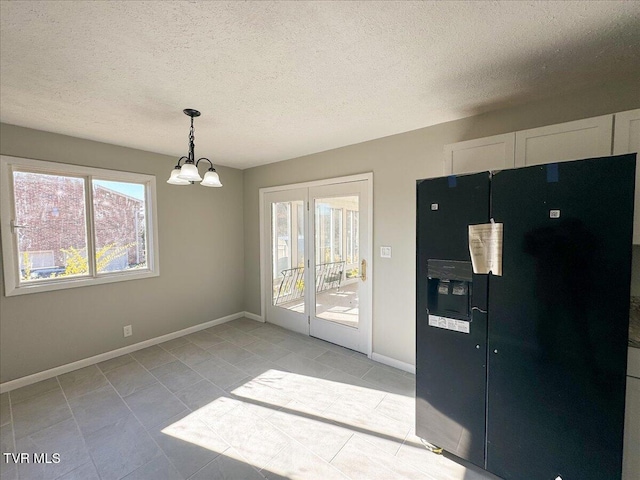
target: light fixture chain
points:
(191, 143)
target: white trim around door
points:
(266, 196)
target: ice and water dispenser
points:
(449, 286)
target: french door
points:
(316, 249)
(285, 214)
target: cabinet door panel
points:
(586, 138)
(627, 140)
(480, 154)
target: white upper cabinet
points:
(627, 140)
(627, 133)
(480, 154)
(591, 137)
(586, 138)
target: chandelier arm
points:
(180, 159)
(210, 163)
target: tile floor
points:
(242, 400)
(340, 305)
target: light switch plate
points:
(385, 252)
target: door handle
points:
(363, 269)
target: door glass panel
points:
(337, 276)
(287, 255)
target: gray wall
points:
(397, 162)
(201, 265)
(635, 266)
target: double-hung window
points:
(67, 226)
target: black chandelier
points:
(187, 173)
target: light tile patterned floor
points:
(242, 400)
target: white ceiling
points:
(277, 80)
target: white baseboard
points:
(85, 362)
(392, 362)
(253, 316)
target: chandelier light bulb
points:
(189, 172)
(174, 180)
(211, 179)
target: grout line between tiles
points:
(188, 409)
(340, 470)
(205, 465)
(163, 385)
(343, 445)
(403, 443)
(186, 386)
(169, 350)
(368, 370)
(307, 449)
(141, 424)
(84, 441)
(277, 453)
(381, 400)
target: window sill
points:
(11, 290)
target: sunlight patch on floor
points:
(300, 407)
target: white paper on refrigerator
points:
(485, 247)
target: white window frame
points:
(12, 284)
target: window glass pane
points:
(283, 223)
(300, 234)
(323, 233)
(336, 268)
(353, 259)
(337, 234)
(287, 255)
(120, 226)
(52, 235)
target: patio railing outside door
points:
(328, 275)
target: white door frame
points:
(265, 242)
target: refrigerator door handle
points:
(478, 309)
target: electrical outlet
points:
(128, 331)
(385, 252)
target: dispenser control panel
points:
(450, 285)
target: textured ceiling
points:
(277, 80)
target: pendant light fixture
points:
(187, 173)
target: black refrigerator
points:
(522, 370)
